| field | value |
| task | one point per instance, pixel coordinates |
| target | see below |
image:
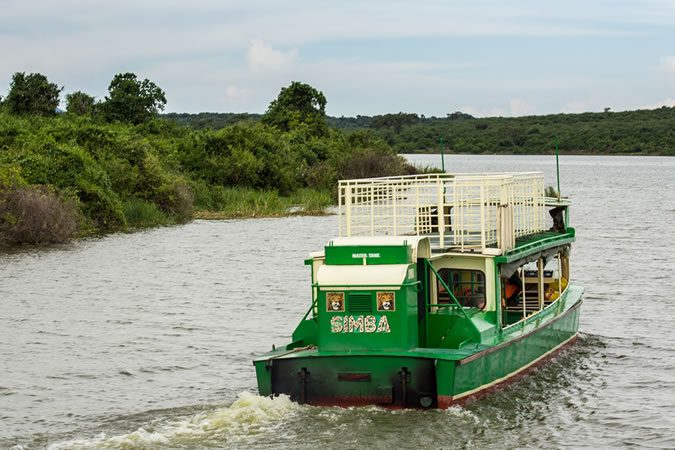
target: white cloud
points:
(484, 112)
(516, 107)
(667, 102)
(237, 95)
(263, 58)
(579, 106)
(520, 107)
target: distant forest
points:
(642, 132)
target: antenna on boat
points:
(440, 143)
(557, 165)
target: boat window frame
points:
(460, 297)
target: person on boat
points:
(558, 220)
(512, 289)
(552, 292)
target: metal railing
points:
(465, 211)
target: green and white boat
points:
(439, 288)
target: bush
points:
(101, 206)
(170, 192)
(141, 213)
(36, 214)
(371, 157)
(321, 176)
(69, 167)
(369, 163)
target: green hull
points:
(420, 377)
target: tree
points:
(131, 100)
(79, 103)
(298, 104)
(32, 94)
(395, 121)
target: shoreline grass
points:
(236, 203)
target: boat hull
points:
(424, 378)
(354, 380)
(499, 365)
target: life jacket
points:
(510, 290)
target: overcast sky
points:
(484, 57)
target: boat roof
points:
(485, 212)
(388, 276)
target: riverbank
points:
(45, 218)
(65, 177)
(251, 203)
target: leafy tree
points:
(79, 103)
(298, 104)
(32, 94)
(395, 121)
(132, 100)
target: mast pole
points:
(440, 143)
(557, 165)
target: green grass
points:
(143, 214)
(550, 191)
(245, 202)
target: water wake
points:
(245, 419)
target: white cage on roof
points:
(484, 212)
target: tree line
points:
(641, 132)
(116, 163)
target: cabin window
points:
(468, 287)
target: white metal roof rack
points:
(485, 212)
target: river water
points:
(145, 340)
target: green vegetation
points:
(32, 94)
(80, 103)
(131, 100)
(298, 104)
(115, 165)
(211, 120)
(647, 132)
(551, 192)
(247, 202)
(643, 132)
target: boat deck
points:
(484, 212)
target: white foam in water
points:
(461, 412)
(249, 415)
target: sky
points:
(482, 57)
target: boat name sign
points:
(359, 324)
(365, 255)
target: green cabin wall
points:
(402, 324)
(408, 328)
